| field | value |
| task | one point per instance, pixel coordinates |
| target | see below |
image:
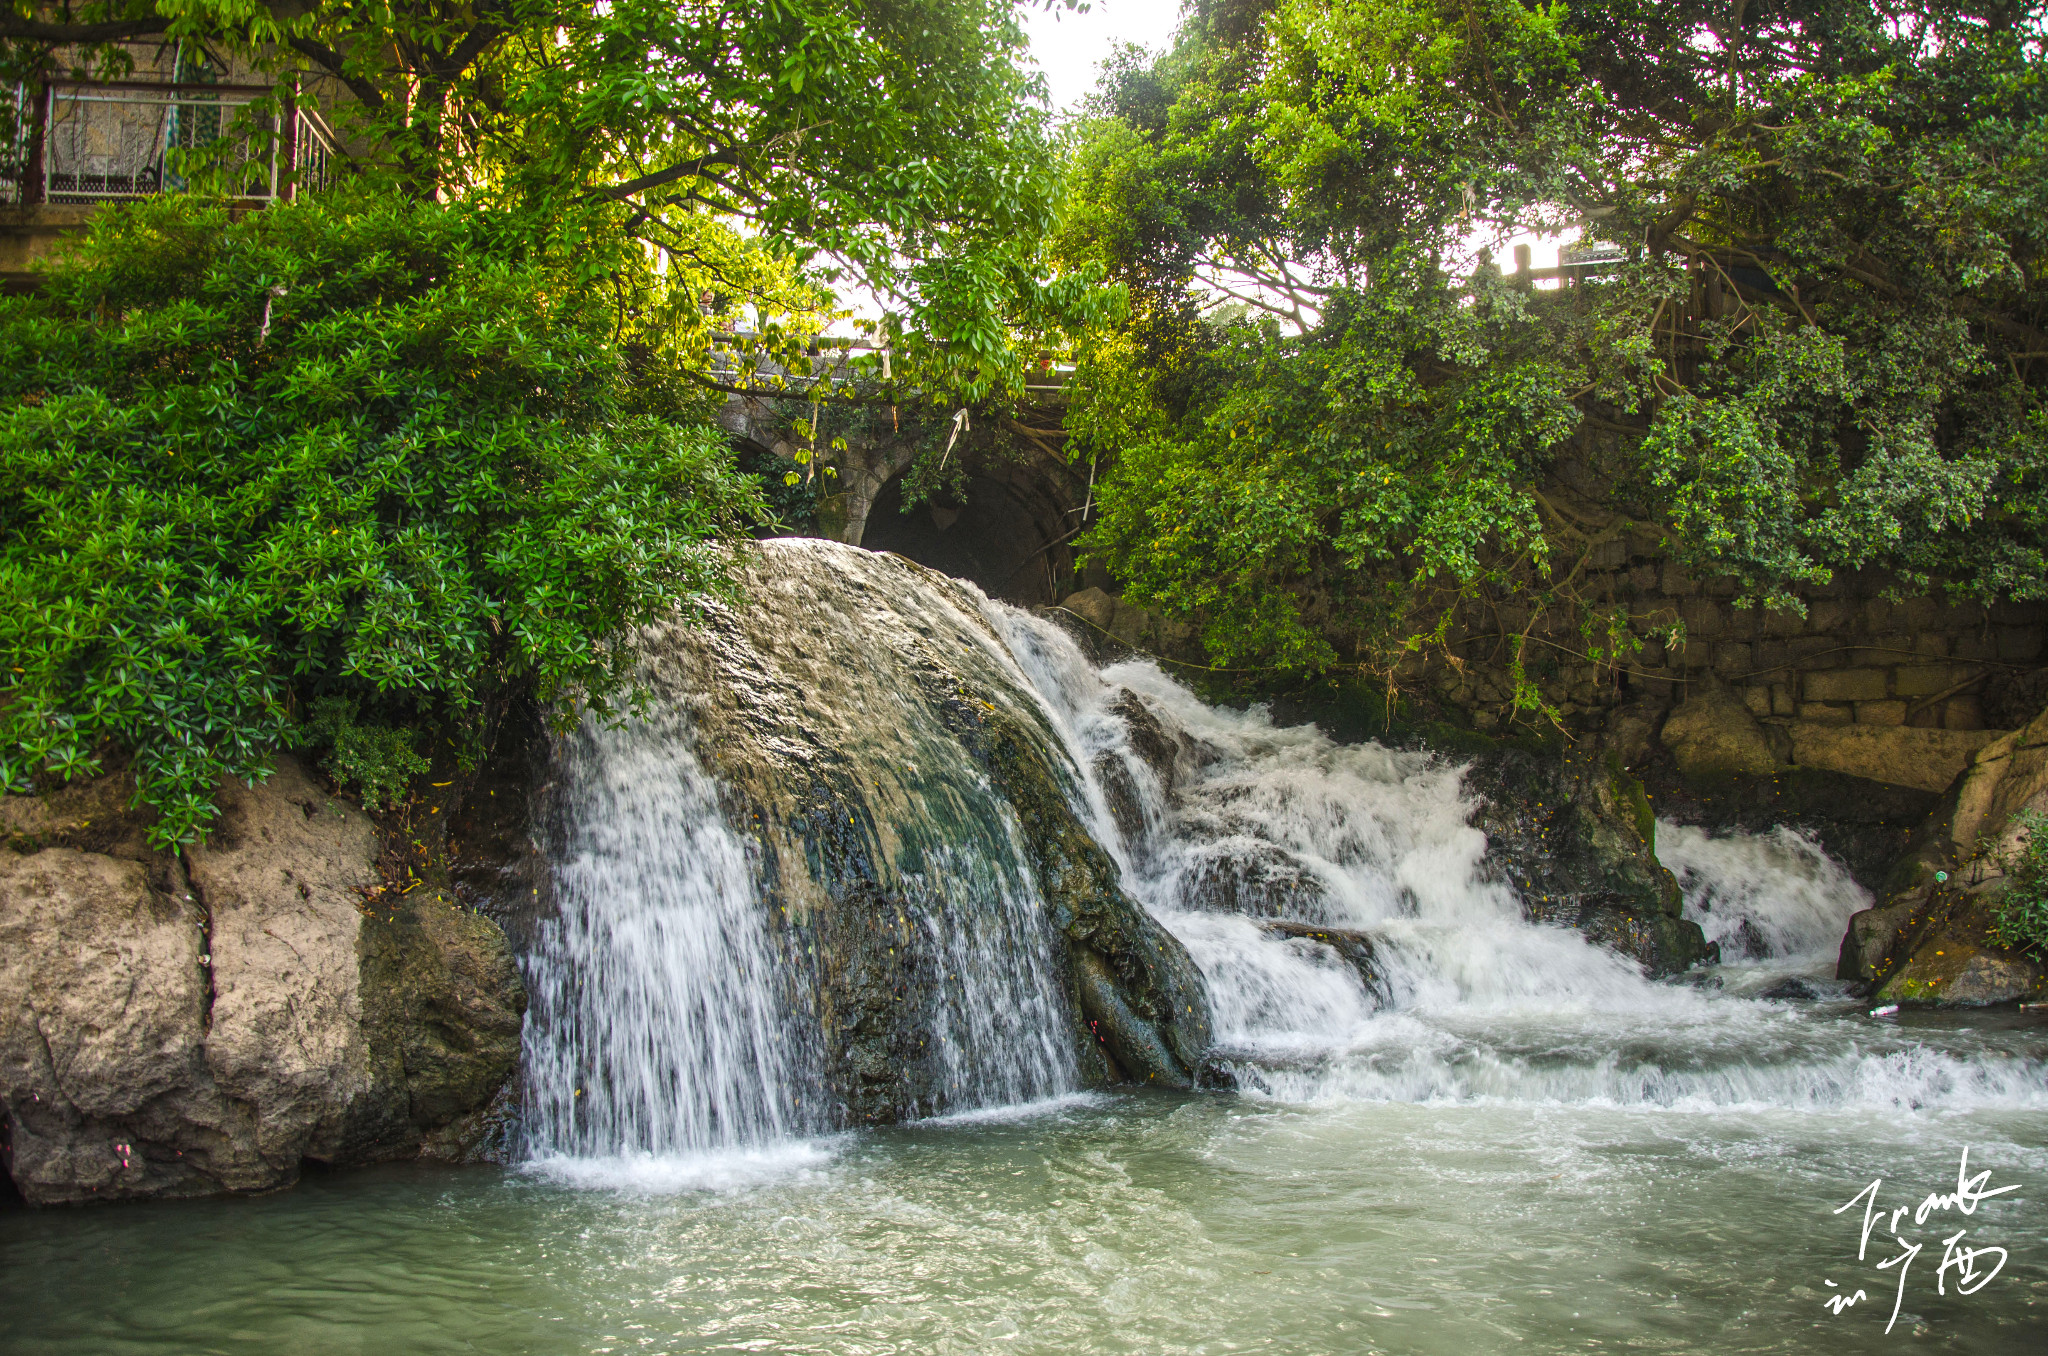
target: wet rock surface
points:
(913, 818)
(1927, 939)
(1358, 949)
(1575, 834)
(183, 1025)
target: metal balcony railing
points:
(82, 142)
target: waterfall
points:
(1227, 824)
(1775, 895)
(786, 896)
(793, 895)
(659, 1024)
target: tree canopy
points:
(385, 455)
(442, 433)
(894, 146)
(1813, 339)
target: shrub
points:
(2020, 916)
(377, 760)
(391, 452)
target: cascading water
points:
(807, 890)
(1471, 1001)
(785, 896)
(684, 999)
(661, 1023)
(1768, 896)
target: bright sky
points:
(1070, 46)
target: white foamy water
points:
(665, 1174)
(1774, 895)
(1472, 1002)
(671, 1042)
(659, 1024)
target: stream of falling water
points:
(661, 1038)
(1474, 1002)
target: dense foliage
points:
(363, 467)
(384, 460)
(896, 145)
(1816, 342)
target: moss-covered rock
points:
(1928, 938)
(903, 787)
(1576, 837)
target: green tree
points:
(897, 146)
(1818, 344)
(388, 456)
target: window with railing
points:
(81, 141)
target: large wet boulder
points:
(184, 1024)
(1927, 940)
(1575, 835)
(912, 815)
(1712, 731)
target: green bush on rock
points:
(2020, 914)
(376, 760)
(383, 451)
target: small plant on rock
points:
(2020, 915)
(375, 760)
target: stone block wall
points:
(1855, 657)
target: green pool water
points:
(1211, 1223)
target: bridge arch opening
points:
(1009, 536)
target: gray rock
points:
(860, 727)
(1713, 731)
(283, 878)
(103, 1075)
(253, 1013)
(1575, 836)
(1935, 910)
(1990, 977)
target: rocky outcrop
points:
(1926, 940)
(1902, 755)
(863, 728)
(1575, 835)
(1713, 732)
(1108, 627)
(1358, 949)
(178, 1026)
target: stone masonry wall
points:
(1855, 664)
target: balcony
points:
(87, 142)
(83, 143)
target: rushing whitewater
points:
(808, 889)
(660, 1020)
(1775, 895)
(1247, 821)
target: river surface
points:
(1508, 1140)
(1125, 1223)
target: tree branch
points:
(336, 65)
